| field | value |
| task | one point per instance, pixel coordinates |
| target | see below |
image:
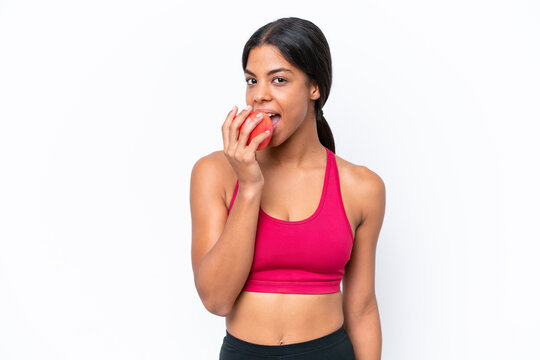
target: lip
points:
(267, 111)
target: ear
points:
(314, 91)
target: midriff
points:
(281, 319)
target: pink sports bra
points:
(305, 256)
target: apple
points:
(262, 126)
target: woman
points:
(269, 247)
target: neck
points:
(302, 149)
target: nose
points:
(262, 93)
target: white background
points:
(106, 105)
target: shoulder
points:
(208, 164)
(362, 187)
(213, 170)
(214, 160)
(359, 177)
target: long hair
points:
(304, 45)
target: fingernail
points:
(259, 115)
(248, 108)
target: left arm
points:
(360, 309)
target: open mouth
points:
(275, 119)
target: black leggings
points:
(335, 346)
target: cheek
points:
(249, 97)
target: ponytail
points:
(323, 131)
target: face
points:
(275, 86)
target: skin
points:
(293, 167)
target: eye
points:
(281, 80)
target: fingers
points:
(257, 140)
(247, 128)
(234, 139)
(225, 128)
(235, 125)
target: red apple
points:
(262, 126)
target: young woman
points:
(275, 231)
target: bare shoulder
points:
(214, 169)
(362, 187)
(207, 164)
(215, 160)
(360, 177)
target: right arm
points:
(222, 246)
(223, 243)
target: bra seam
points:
(342, 205)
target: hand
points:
(240, 155)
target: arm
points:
(361, 313)
(222, 244)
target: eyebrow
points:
(268, 73)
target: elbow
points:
(214, 304)
(216, 308)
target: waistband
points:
(314, 344)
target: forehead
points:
(267, 57)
